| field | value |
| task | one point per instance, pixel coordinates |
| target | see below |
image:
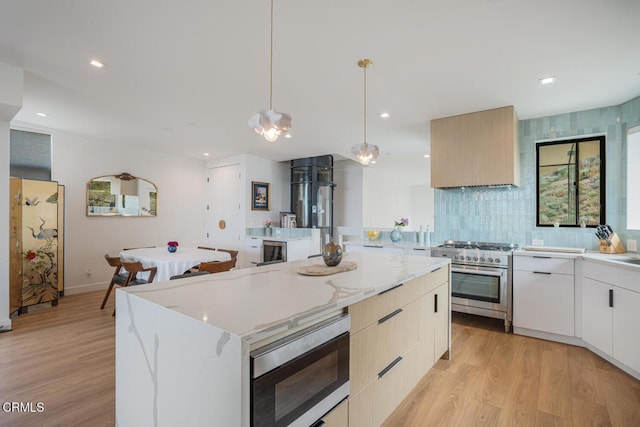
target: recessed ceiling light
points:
(547, 80)
(205, 154)
(373, 161)
(384, 115)
(287, 135)
(96, 63)
(41, 114)
(426, 156)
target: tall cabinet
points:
(36, 247)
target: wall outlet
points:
(537, 242)
(632, 245)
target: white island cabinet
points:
(182, 347)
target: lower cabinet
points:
(543, 294)
(611, 312)
(396, 337)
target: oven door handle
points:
(479, 270)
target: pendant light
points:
(269, 123)
(364, 152)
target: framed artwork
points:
(260, 196)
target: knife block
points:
(616, 245)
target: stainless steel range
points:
(481, 278)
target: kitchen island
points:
(182, 347)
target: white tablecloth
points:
(171, 264)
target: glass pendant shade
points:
(365, 153)
(270, 124)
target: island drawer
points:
(369, 311)
(374, 403)
(543, 264)
(430, 281)
(374, 347)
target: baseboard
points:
(86, 288)
(549, 336)
(5, 325)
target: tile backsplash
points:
(508, 214)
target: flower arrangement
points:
(267, 223)
(172, 243)
(402, 222)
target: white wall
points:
(347, 196)
(11, 84)
(395, 188)
(181, 204)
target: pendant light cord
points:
(365, 104)
(271, 61)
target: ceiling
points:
(185, 76)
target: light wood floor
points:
(64, 357)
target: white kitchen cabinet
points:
(543, 295)
(299, 249)
(254, 251)
(597, 317)
(611, 312)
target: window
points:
(570, 182)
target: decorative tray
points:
(324, 270)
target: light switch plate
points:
(537, 242)
(632, 245)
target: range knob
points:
(490, 259)
(475, 258)
(482, 259)
(497, 260)
(468, 258)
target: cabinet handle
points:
(541, 272)
(435, 302)
(542, 257)
(389, 316)
(320, 423)
(390, 289)
(419, 249)
(372, 246)
(389, 367)
(433, 271)
(610, 297)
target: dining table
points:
(172, 263)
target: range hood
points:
(479, 149)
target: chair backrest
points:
(141, 247)
(232, 252)
(207, 248)
(217, 266)
(113, 261)
(134, 267)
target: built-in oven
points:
(481, 278)
(273, 250)
(297, 380)
(481, 290)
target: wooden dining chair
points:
(207, 248)
(133, 268)
(187, 275)
(217, 266)
(119, 276)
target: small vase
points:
(396, 235)
(267, 231)
(172, 249)
(332, 254)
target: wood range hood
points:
(479, 149)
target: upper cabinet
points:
(475, 149)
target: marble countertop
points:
(609, 259)
(254, 303)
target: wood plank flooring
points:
(64, 357)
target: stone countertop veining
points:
(256, 302)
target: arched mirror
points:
(121, 195)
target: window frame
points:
(577, 141)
